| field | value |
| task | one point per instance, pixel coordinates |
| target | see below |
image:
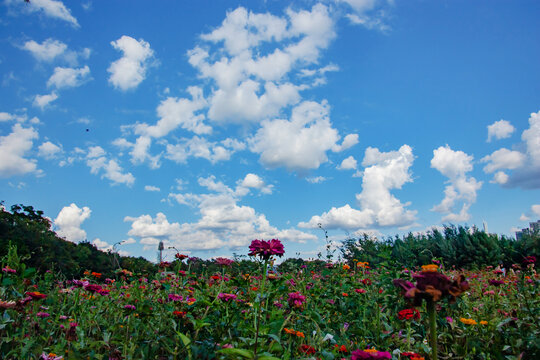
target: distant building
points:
(534, 228)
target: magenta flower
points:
(175, 297)
(266, 249)
(129, 307)
(9, 270)
(93, 287)
(370, 354)
(223, 261)
(226, 297)
(43, 315)
(296, 300)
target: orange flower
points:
(346, 267)
(289, 331)
(96, 274)
(430, 268)
(344, 294)
(300, 334)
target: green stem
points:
(432, 313)
(408, 336)
(259, 303)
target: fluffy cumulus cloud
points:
(130, 70)
(514, 168)
(13, 151)
(536, 210)
(99, 163)
(300, 143)
(49, 150)
(502, 159)
(152, 188)
(51, 8)
(69, 220)
(500, 130)
(349, 163)
(43, 101)
(383, 172)
(222, 222)
(255, 57)
(199, 147)
(68, 77)
(462, 189)
(368, 13)
(48, 50)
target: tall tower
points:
(485, 226)
(160, 248)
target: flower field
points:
(250, 309)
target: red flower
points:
(179, 314)
(308, 350)
(408, 314)
(36, 295)
(93, 288)
(181, 256)
(341, 349)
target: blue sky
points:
(207, 124)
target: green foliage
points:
(39, 247)
(454, 246)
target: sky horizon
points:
(209, 124)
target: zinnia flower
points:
(408, 314)
(36, 295)
(306, 349)
(296, 300)
(43, 315)
(9, 270)
(226, 297)
(468, 321)
(266, 249)
(223, 261)
(370, 354)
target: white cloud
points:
(378, 207)
(316, 179)
(531, 136)
(500, 177)
(253, 181)
(68, 77)
(152, 188)
(349, 163)
(524, 217)
(130, 70)
(503, 159)
(500, 130)
(201, 148)
(368, 13)
(251, 69)
(43, 100)
(48, 150)
(53, 8)
(527, 176)
(69, 220)
(455, 165)
(102, 245)
(13, 148)
(97, 161)
(298, 144)
(47, 50)
(536, 209)
(222, 221)
(178, 112)
(4, 116)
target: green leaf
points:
(185, 340)
(248, 354)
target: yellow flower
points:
(373, 351)
(430, 268)
(468, 321)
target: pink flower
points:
(370, 354)
(226, 297)
(43, 315)
(9, 270)
(129, 307)
(93, 287)
(296, 300)
(266, 249)
(175, 297)
(223, 261)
